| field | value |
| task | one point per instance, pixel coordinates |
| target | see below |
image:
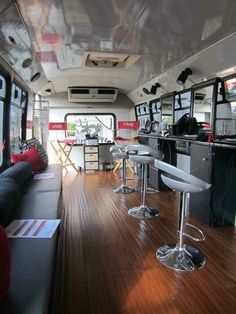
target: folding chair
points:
(60, 147)
(131, 126)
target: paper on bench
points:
(43, 176)
(32, 228)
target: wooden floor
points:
(107, 260)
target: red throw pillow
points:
(5, 263)
(31, 155)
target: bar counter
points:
(213, 162)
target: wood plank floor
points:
(107, 261)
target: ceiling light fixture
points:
(48, 91)
(27, 63)
(146, 91)
(183, 76)
(12, 40)
(154, 88)
(35, 77)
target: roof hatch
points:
(108, 59)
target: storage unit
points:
(201, 167)
(91, 157)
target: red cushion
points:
(5, 263)
(31, 155)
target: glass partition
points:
(155, 108)
(142, 114)
(167, 104)
(225, 123)
(204, 100)
(182, 104)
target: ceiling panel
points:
(164, 32)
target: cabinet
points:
(201, 167)
(91, 157)
(217, 206)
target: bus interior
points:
(90, 90)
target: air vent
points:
(199, 97)
(79, 91)
(92, 94)
(108, 60)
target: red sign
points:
(128, 125)
(29, 124)
(57, 126)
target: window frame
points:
(93, 114)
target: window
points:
(155, 106)
(2, 99)
(18, 102)
(142, 114)
(182, 104)
(99, 125)
(204, 104)
(225, 123)
(167, 104)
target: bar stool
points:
(180, 256)
(118, 153)
(144, 155)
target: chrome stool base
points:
(123, 190)
(186, 259)
(143, 212)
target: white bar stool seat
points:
(180, 256)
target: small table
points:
(63, 154)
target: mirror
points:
(226, 109)
(155, 106)
(167, 110)
(142, 114)
(182, 104)
(202, 106)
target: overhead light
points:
(48, 91)
(154, 88)
(12, 40)
(183, 76)
(35, 77)
(27, 63)
(146, 91)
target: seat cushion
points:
(20, 172)
(5, 263)
(33, 142)
(47, 185)
(9, 196)
(31, 155)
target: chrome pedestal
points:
(186, 258)
(143, 212)
(123, 190)
(181, 256)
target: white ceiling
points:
(163, 32)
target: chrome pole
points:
(144, 185)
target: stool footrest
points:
(202, 236)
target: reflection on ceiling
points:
(163, 32)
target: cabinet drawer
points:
(91, 157)
(91, 165)
(90, 149)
